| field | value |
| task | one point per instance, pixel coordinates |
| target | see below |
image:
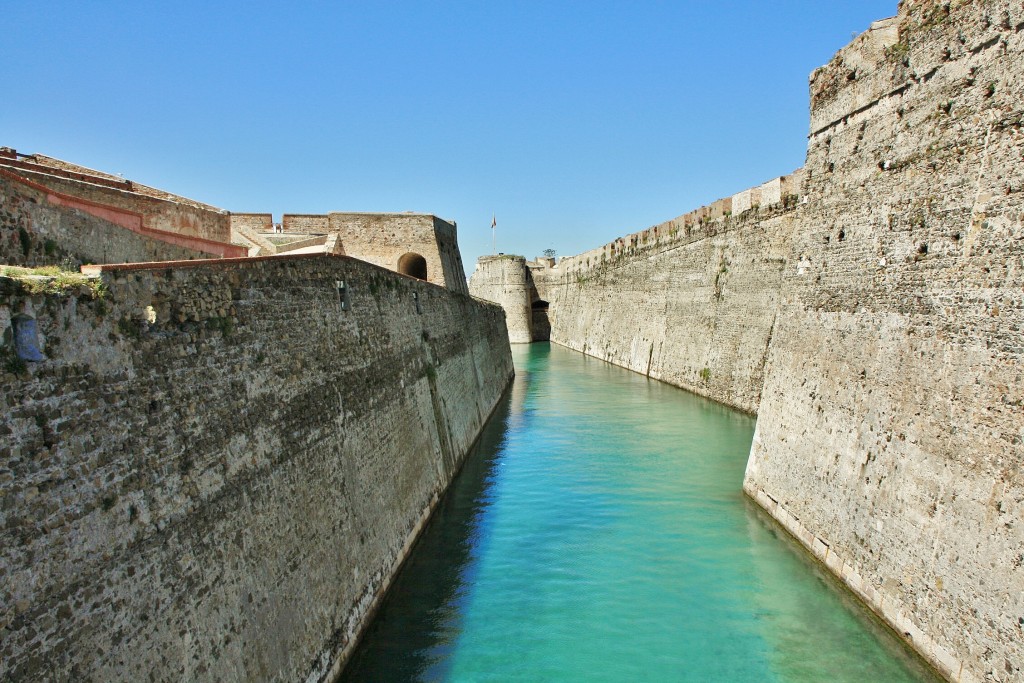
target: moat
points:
(598, 532)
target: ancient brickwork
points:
(505, 280)
(690, 302)
(890, 432)
(35, 231)
(217, 466)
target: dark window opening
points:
(540, 325)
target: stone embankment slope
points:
(217, 466)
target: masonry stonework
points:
(217, 466)
(306, 224)
(385, 238)
(870, 310)
(160, 210)
(505, 280)
(690, 302)
(890, 430)
(36, 231)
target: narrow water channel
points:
(599, 533)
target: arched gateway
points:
(413, 264)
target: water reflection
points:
(599, 532)
(413, 633)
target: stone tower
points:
(503, 280)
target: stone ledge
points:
(885, 606)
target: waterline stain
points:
(599, 533)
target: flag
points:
(494, 221)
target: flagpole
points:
(494, 230)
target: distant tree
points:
(550, 253)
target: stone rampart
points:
(217, 466)
(404, 242)
(505, 280)
(254, 222)
(161, 210)
(873, 321)
(691, 301)
(306, 224)
(889, 438)
(39, 227)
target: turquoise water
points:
(599, 533)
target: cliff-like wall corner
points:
(890, 427)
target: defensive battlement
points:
(417, 244)
(778, 194)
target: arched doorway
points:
(413, 264)
(540, 320)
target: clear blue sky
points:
(573, 123)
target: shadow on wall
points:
(445, 553)
(413, 264)
(540, 323)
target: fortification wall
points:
(37, 229)
(504, 280)
(220, 487)
(691, 301)
(384, 238)
(256, 222)
(160, 210)
(890, 428)
(306, 224)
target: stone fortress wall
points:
(40, 227)
(306, 224)
(388, 239)
(256, 222)
(420, 245)
(869, 309)
(690, 302)
(505, 280)
(161, 211)
(217, 466)
(889, 436)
